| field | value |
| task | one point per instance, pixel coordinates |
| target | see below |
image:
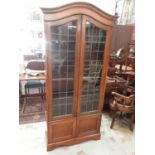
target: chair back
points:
(123, 103)
(36, 65)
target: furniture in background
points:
(24, 77)
(75, 97)
(130, 61)
(30, 57)
(112, 62)
(124, 103)
(114, 83)
(31, 69)
(131, 45)
(118, 59)
(123, 64)
(128, 75)
(121, 37)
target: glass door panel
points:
(63, 44)
(93, 59)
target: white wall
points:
(106, 5)
(27, 6)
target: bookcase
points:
(77, 53)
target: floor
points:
(32, 110)
(117, 141)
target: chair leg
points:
(110, 113)
(121, 115)
(26, 95)
(131, 122)
(42, 93)
(113, 119)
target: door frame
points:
(48, 66)
(104, 65)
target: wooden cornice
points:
(82, 8)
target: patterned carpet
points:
(31, 111)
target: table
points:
(28, 74)
(25, 77)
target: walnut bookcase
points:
(77, 52)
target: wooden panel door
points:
(93, 66)
(62, 77)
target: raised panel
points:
(61, 130)
(88, 124)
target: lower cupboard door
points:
(61, 130)
(88, 125)
(70, 128)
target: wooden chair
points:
(120, 60)
(30, 84)
(124, 104)
(117, 58)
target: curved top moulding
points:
(83, 8)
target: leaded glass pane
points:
(93, 60)
(63, 39)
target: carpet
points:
(31, 111)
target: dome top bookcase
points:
(78, 39)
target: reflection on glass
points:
(93, 59)
(63, 58)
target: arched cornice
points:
(83, 8)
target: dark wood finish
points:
(75, 140)
(61, 130)
(65, 126)
(121, 36)
(36, 65)
(131, 45)
(78, 8)
(133, 32)
(116, 84)
(123, 104)
(88, 124)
